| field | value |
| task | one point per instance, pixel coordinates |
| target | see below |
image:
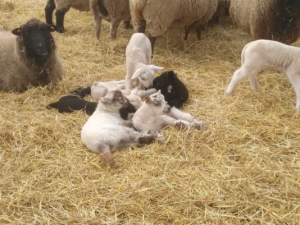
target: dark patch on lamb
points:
(173, 89)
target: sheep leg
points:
(187, 31)
(198, 31)
(178, 114)
(237, 76)
(253, 81)
(114, 28)
(295, 80)
(97, 24)
(127, 24)
(152, 41)
(141, 26)
(49, 11)
(104, 149)
(168, 120)
(128, 84)
(60, 15)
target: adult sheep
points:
(277, 20)
(62, 7)
(28, 57)
(160, 15)
(113, 11)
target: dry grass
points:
(242, 169)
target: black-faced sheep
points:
(113, 11)
(105, 131)
(261, 54)
(160, 15)
(28, 57)
(62, 7)
(174, 91)
(277, 20)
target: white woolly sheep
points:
(260, 54)
(160, 15)
(156, 114)
(138, 59)
(105, 131)
(28, 57)
(272, 19)
(62, 7)
(114, 11)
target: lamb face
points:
(145, 74)
(159, 103)
(113, 101)
(98, 90)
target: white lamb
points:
(260, 54)
(156, 114)
(138, 59)
(99, 90)
(105, 131)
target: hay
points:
(242, 169)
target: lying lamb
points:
(105, 131)
(28, 57)
(71, 103)
(138, 59)
(174, 91)
(260, 54)
(156, 114)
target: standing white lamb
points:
(159, 15)
(260, 54)
(113, 11)
(105, 131)
(138, 59)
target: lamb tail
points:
(52, 105)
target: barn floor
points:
(242, 168)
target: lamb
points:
(156, 114)
(114, 11)
(174, 91)
(272, 19)
(105, 131)
(62, 7)
(28, 57)
(180, 13)
(138, 59)
(260, 54)
(71, 103)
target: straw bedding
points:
(243, 168)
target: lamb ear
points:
(156, 67)
(17, 31)
(159, 92)
(136, 74)
(108, 98)
(147, 99)
(171, 74)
